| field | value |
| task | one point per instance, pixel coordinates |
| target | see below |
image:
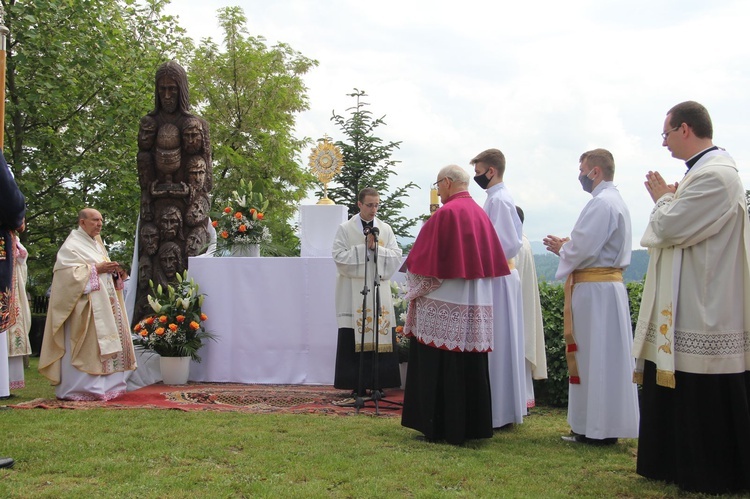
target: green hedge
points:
(554, 390)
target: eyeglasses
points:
(372, 205)
(664, 135)
(436, 184)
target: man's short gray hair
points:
(455, 173)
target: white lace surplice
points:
(451, 314)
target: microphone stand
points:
(377, 393)
(359, 400)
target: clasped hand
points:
(111, 268)
(657, 186)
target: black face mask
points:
(586, 183)
(482, 180)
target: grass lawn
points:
(168, 453)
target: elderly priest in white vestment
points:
(602, 399)
(87, 348)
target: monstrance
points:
(325, 162)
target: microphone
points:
(375, 231)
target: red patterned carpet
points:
(220, 397)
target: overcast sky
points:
(542, 81)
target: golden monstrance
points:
(325, 162)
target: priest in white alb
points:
(360, 243)
(87, 349)
(692, 338)
(602, 398)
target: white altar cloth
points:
(274, 320)
(318, 224)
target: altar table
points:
(274, 320)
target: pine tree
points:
(368, 163)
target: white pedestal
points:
(318, 226)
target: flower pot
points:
(245, 250)
(175, 370)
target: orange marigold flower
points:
(252, 211)
(173, 327)
(150, 320)
(242, 228)
(224, 234)
(204, 317)
(399, 329)
(227, 210)
(180, 318)
(238, 215)
(260, 216)
(163, 319)
(215, 223)
(194, 326)
(137, 327)
(144, 333)
(159, 331)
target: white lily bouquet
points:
(176, 328)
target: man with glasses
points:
(451, 266)
(691, 339)
(358, 243)
(87, 347)
(602, 399)
(511, 397)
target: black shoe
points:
(601, 441)
(7, 462)
(8, 397)
(583, 439)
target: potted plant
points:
(240, 228)
(176, 328)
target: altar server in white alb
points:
(533, 327)
(510, 397)
(692, 337)
(87, 348)
(602, 398)
(355, 247)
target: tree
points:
(367, 163)
(79, 76)
(250, 94)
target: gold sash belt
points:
(594, 274)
